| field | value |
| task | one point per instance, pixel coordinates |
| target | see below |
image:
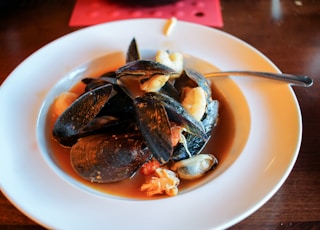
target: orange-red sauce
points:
(130, 188)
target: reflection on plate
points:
(261, 156)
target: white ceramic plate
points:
(264, 150)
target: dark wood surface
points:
(291, 39)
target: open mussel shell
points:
(144, 68)
(109, 158)
(195, 167)
(196, 143)
(178, 114)
(192, 78)
(154, 111)
(153, 123)
(71, 123)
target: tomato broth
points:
(219, 145)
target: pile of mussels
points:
(114, 127)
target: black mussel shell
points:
(196, 144)
(109, 158)
(153, 123)
(132, 52)
(71, 123)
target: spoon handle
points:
(297, 80)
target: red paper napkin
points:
(90, 12)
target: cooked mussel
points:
(195, 167)
(72, 123)
(146, 68)
(105, 158)
(191, 78)
(154, 112)
(195, 144)
(140, 76)
(152, 121)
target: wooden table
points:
(290, 38)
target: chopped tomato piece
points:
(149, 167)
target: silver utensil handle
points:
(297, 80)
